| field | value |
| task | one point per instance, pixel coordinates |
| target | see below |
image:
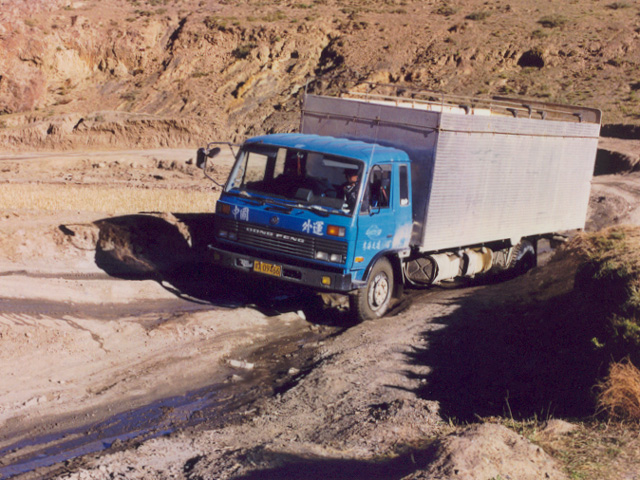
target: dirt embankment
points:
(163, 73)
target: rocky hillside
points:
(134, 73)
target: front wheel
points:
(373, 300)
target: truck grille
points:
(304, 246)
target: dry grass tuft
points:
(619, 392)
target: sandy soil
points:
(96, 321)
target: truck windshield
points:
(306, 178)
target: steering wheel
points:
(330, 192)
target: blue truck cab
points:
(317, 211)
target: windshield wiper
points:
(285, 206)
(246, 195)
(323, 212)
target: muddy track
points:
(50, 449)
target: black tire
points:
(524, 257)
(373, 300)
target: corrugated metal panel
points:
(520, 126)
(528, 179)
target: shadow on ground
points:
(172, 250)
(610, 162)
(499, 355)
(301, 468)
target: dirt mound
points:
(489, 451)
(142, 246)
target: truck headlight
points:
(336, 258)
(322, 256)
(223, 234)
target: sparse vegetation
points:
(144, 13)
(274, 16)
(446, 9)
(589, 451)
(479, 15)
(618, 5)
(610, 281)
(243, 51)
(213, 22)
(539, 34)
(553, 21)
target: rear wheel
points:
(373, 300)
(524, 257)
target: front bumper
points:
(308, 277)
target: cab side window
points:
(378, 191)
(404, 185)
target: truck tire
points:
(524, 257)
(373, 300)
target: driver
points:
(349, 189)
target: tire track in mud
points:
(61, 276)
(46, 309)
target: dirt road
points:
(122, 348)
(84, 343)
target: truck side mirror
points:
(202, 154)
(201, 158)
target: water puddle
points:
(159, 418)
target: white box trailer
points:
(483, 170)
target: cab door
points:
(376, 218)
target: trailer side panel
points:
(498, 178)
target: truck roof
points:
(340, 147)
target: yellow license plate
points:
(268, 268)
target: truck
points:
(378, 192)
